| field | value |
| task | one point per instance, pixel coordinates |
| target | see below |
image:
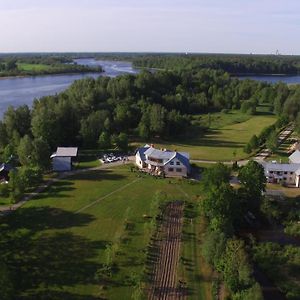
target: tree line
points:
(233, 64)
(227, 211)
(12, 67)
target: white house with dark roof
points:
(284, 173)
(163, 162)
(63, 157)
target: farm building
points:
(288, 174)
(62, 159)
(163, 162)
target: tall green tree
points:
(253, 184)
(104, 140)
(25, 151)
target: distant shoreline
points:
(50, 74)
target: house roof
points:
(281, 167)
(141, 151)
(159, 154)
(295, 157)
(165, 155)
(184, 157)
(65, 152)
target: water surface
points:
(17, 91)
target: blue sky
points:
(232, 26)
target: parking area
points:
(111, 157)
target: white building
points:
(295, 157)
(284, 173)
(163, 162)
(62, 158)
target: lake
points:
(274, 78)
(19, 91)
(23, 90)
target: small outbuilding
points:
(62, 159)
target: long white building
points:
(163, 162)
(284, 173)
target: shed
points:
(63, 158)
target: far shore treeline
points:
(235, 64)
(20, 65)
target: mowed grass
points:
(192, 268)
(56, 242)
(221, 144)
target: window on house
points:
(178, 163)
(271, 172)
(284, 178)
(291, 173)
(285, 172)
(171, 170)
(172, 163)
(178, 170)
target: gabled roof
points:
(295, 157)
(184, 157)
(65, 152)
(159, 154)
(141, 151)
(165, 155)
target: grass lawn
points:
(4, 201)
(193, 269)
(33, 67)
(56, 242)
(87, 161)
(224, 143)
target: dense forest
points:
(105, 111)
(233, 64)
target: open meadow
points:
(224, 140)
(57, 242)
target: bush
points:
(293, 229)
(4, 190)
(247, 148)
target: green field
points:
(56, 242)
(33, 67)
(223, 143)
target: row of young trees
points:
(225, 209)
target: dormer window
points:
(178, 163)
(172, 163)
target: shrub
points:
(4, 190)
